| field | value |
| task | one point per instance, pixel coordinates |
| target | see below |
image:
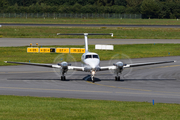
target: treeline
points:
(148, 8)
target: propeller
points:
(121, 60)
(64, 60)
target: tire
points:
(62, 78)
(116, 78)
(119, 78)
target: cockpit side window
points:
(95, 56)
(88, 56)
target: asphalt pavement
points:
(6, 42)
(156, 82)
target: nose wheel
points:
(92, 78)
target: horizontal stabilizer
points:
(86, 34)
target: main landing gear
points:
(63, 78)
(117, 78)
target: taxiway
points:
(158, 82)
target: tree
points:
(150, 9)
(4, 3)
(118, 9)
(120, 2)
(133, 3)
(105, 2)
(77, 8)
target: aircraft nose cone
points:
(93, 63)
(93, 66)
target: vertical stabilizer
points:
(86, 41)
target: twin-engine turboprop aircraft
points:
(91, 62)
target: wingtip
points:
(5, 61)
(58, 33)
(174, 61)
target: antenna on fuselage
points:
(85, 37)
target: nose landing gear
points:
(92, 76)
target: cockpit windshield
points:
(88, 56)
(95, 56)
(91, 56)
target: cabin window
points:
(95, 56)
(88, 56)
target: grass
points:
(34, 108)
(92, 21)
(119, 32)
(124, 51)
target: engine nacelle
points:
(118, 64)
(64, 65)
(119, 67)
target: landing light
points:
(93, 72)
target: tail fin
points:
(85, 37)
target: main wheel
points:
(62, 78)
(119, 78)
(115, 78)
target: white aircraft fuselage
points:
(90, 61)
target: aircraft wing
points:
(48, 65)
(76, 68)
(134, 65)
(148, 63)
(107, 68)
(35, 64)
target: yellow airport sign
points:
(62, 50)
(32, 50)
(44, 50)
(77, 50)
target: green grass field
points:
(119, 32)
(92, 21)
(34, 108)
(131, 51)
